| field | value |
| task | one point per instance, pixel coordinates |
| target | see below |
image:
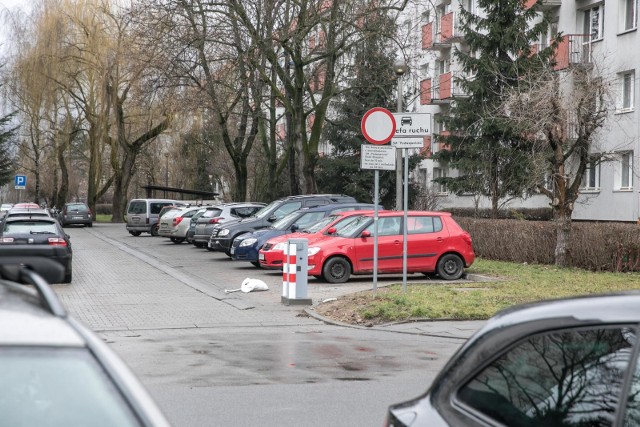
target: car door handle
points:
(396, 242)
(439, 239)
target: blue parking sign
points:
(21, 182)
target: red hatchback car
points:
(436, 243)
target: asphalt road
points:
(210, 358)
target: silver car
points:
(220, 214)
(55, 371)
(175, 223)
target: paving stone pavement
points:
(125, 283)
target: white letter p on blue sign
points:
(21, 180)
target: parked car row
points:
(341, 234)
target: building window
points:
(624, 171)
(439, 173)
(627, 88)
(594, 22)
(591, 178)
(628, 15)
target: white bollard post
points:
(294, 273)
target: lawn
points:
(513, 284)
(103, 218)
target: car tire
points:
(199, 245)
(256, 264)
(336, 270)
(177, 240)
(154, 230)
(135, 233)
(318, 276)
(450, 267)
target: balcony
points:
(427, 36)
(445, 88)
(448, 31)
(544, 5)
(573, 50)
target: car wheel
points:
(154, 230)
(336, 270)
(210, 249)
(198, 244)
(135, 233)
(256, 264)
(177, 240)
(450, 267)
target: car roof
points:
(395, 213)
(319, 196)
(334, 206)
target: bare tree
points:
(562, 112)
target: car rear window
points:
(137, 207)
(33, 227)
(81, 207)
(212, 213)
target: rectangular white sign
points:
(407, 142)
(412, 124)
(380, 157)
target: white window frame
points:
(628, 22)
(627, 88)
(441, 189)
(588, 26)
(591, 174)
(624, 171)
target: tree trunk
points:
(563, 236)
(63, 191)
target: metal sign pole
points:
(404, 222)
(375, 229)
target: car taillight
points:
(89, 212)
(177, 221)
(57, 241)
(467, 238)
(6, 239)
(214, 220)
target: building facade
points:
(604, 33)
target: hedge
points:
(596, 246)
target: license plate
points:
(233, 251)
(261, 257)
(77, 217)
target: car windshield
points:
(80, 207)
(320, 224)
(286, 221)
(350, 229)
(58, 386)
(268, 209)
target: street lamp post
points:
(399, 67)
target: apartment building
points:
(602, 32)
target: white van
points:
(143, 214)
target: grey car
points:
(55, 371)
(76, 214)
(219, 215)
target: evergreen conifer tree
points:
(491, 155)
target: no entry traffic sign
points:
(378, 126)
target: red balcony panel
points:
(427, 35)
(528, 4)
(562, 54)
(426, 147)
(425, 92)
(445, 85)
(446, 26)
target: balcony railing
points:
(445, 87)
(573, 49)
(441, 34)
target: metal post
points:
(404, 221)
(399, 151)
(166, 173)
(376, 199)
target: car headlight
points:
(279, 246)
(248, 242)
(313, 250)
(223, 232)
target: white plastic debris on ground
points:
(249, 285)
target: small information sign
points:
(377, 157)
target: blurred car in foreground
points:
(76, 213)
(174, 224)
(246, 247)
(272, 252)
(568, 362)
(221, 214)
(43, 236)
(435, 243)
(56, 372)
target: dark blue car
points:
(246, 246)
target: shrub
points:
(595, 246)
(104, 209)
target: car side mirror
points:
(294, 228)
(365, 233)
(332, 230)
(272, 218)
